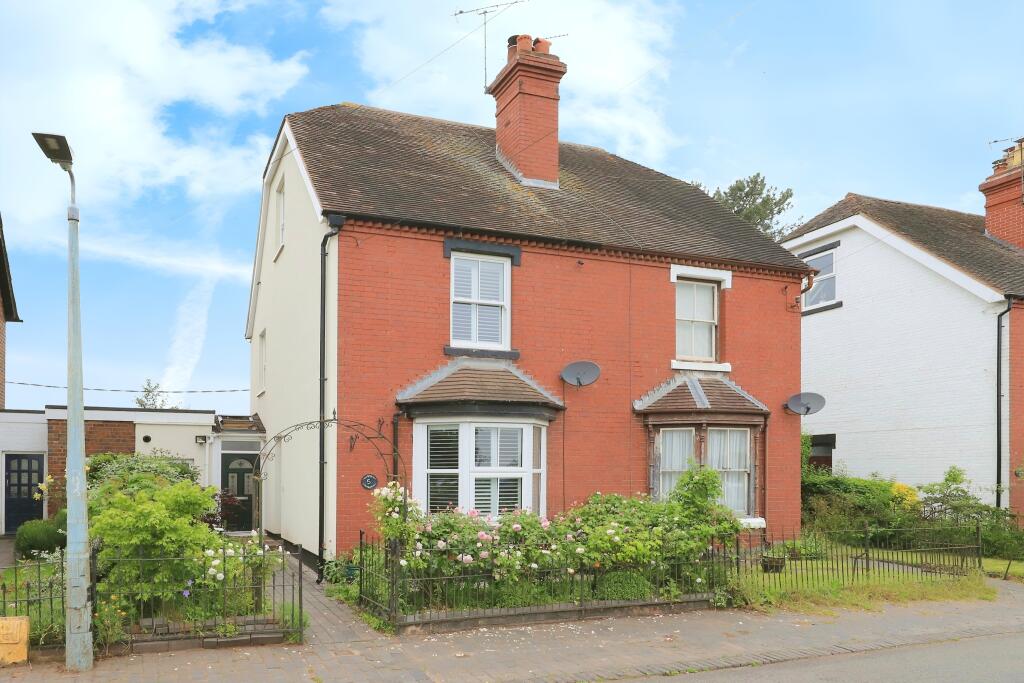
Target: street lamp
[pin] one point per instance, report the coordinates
(78, 619)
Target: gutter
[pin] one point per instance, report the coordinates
(999, 399)
(335, 222)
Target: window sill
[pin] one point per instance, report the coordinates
(821, 309)
(753, 522)
(701, 365)
(508, 354)
(278, 254)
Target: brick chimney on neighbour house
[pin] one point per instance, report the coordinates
(526, 95)
(1004, 197)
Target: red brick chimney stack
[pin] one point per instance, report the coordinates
(526, 95)
(1004, 196)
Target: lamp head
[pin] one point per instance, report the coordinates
(55, 147)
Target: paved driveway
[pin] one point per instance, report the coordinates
(341, 648)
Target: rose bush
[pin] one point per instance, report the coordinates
(663, 539)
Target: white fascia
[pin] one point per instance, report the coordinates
(139, 416)
(905, 247)
(723, 277)
(285, 142)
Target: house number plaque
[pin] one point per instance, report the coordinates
(369, 481)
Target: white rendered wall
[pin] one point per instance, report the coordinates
(179, 441)
(288, 308)
(907, 367)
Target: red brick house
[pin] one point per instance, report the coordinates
(462, 270)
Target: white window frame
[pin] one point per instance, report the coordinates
(715, 321)
(747, 511)
(261, 359)
(817, 280)
(662, 494)
(468, 471)
(505, 304)
(279, 208)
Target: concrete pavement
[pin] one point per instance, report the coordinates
(341, 648)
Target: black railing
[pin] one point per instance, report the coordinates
(237, 591)
(753, 562)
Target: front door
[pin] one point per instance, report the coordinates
(237, 471)
(22, 476)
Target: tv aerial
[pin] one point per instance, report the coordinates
(581, 373)
(805, 403)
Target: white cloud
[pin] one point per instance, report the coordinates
(104, 74)
(618, 56)
(189, 335)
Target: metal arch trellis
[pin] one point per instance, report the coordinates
(359, 431)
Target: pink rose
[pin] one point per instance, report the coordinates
(473, 513)
(467, 558)
(545, 524)
(484, 554)
(483, 536)
(517, 527)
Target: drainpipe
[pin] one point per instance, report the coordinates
(334, 222)
(999, 401)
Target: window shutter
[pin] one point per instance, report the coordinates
(463, 278)
(510, 447)
(492, 286)
(488, 323)
(510, 494)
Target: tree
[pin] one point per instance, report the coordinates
(756, 202)
(152, 396)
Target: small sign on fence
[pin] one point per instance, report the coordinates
(13, 640)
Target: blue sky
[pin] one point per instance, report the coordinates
(171, 108)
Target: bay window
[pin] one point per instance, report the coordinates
(726, 450)
(490, 467)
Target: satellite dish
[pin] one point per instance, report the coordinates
(581, 373)
(805, 403)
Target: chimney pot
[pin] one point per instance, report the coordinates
(542, 46)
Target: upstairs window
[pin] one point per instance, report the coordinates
(262, 360)
(480, 302)
(824, 290)
(696, 320)
(279, 210)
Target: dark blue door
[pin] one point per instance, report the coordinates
(22, 476)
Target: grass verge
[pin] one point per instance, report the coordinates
(825, 597)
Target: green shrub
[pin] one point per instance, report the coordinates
(623, 585)
(38, 536)
(520, 594)
(129, 473)
(60, 520)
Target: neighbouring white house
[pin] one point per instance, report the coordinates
(33, 444)
(913, 331)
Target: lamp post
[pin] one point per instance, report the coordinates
(78, 619)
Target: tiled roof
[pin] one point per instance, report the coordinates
(375, 163)
(686, 392)
(955, 237)
(478, 380)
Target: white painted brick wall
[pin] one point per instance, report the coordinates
(907, 366)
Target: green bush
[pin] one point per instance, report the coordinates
(623, 585)
(129, 473)
(60, 520)
(38, 536)
(520, 594)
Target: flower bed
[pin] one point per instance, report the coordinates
(610, 548)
